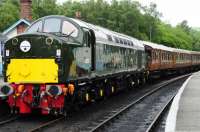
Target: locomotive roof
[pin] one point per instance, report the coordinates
(102, 34)
(108, 36)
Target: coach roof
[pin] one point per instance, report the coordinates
(158, 46)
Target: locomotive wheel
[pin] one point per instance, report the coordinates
(99, 93)
(84, 97)
(130, 83)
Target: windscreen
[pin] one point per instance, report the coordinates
(52, 25)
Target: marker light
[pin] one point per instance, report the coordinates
(58, 52)
(7, 53)
(49, 41)
(14, 41)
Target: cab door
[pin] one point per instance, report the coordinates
(90, 45)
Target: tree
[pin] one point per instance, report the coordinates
(9, 13)
(41, 8)
(184, 25)
(127, 17)
(173, 37)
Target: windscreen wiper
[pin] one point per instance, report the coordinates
(60, 34)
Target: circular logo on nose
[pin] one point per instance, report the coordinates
(25, 46)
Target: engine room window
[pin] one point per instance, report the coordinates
(121, 41)
(131, 43)
(52, 25)
(109, 37)
(37, 27)
(68, 28)
(116, 39)
(125, 42)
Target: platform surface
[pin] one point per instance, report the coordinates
(184, 114)
(188, 116)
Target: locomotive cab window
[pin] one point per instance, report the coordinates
(37, 27)
(52, 25)
(68, 28)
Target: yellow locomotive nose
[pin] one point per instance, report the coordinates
(32, 71)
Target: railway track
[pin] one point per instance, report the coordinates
(116, 115)
(7, 119)
(27, 123)
(46, 124)
(159, 115)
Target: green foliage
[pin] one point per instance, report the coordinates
(117, 16)
(196, 39)
(42, 8)
(125, 16)
(173, 36)
(9, 13)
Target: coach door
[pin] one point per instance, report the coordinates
(93, 50)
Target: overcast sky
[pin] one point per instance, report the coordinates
(175, 11)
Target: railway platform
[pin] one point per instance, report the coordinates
(184, 114)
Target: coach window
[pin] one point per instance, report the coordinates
(163, 56)
(69, 28)
(156, 55)
(167, 56)
(153, 55)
